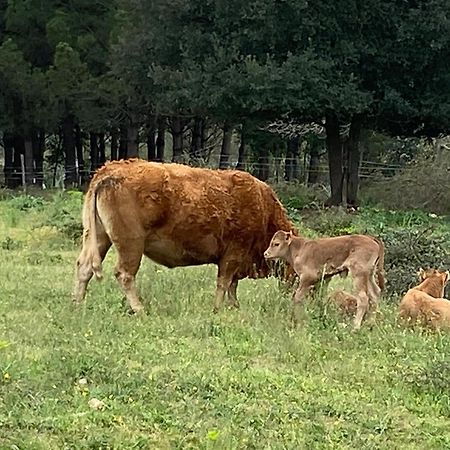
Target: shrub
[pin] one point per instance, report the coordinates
(64, 213)
(297, 196)
(26, 202)
(423, 184)
(409, 249)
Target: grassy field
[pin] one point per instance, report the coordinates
(181, 377)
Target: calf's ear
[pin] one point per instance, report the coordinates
(421, 273)
(446, 277)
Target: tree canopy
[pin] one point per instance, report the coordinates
(127, 70)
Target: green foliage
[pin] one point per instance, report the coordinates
(10, 244)
(63, 213)
(25, 202)
(409, 249)
(423, 184)
(298, 196)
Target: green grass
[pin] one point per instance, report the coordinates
(181, 377)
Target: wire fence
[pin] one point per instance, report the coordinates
(275, 168)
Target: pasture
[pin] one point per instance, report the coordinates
(181, 377)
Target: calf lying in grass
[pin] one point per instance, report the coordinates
(345, 302)
(424, 304)
(316, 259)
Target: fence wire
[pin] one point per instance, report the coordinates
(275, 166)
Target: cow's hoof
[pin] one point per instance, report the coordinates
(139, 311)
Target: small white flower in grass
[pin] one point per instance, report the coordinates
(96, 404)
(432, 215)
(82, 382)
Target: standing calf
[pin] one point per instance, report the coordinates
(316, 259)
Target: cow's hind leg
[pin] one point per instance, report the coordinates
(130, 256)
(84, 272)
(232, 294)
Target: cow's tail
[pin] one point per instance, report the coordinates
(380, 264)
(92, 227)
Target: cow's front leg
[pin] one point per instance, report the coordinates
(305, 287)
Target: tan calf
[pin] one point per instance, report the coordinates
(316, 259)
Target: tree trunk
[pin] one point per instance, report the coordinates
(151, 137)
(263, 166)
(291, 171)
(80, 156)
(101, 149)
(161, 140)
(241, 151)
(19, 149)
(69, 151)
(196, 139)
(177, 138)
(225, 151)
(93, 151)
(132, 140)
(8, 144)
(314, 160)
(354, 160)
(334, 150)
(114, 141)
(204, 138)
(123, 143)
(28, 160)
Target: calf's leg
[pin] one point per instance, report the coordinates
(361, 281)
(305, 287)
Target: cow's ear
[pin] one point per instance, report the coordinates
(421, 273)
(289, 238)
(446, 277)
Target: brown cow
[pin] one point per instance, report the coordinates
(177, 216)
(316, 259)
(424, 304)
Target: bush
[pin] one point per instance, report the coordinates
(409, 249)
(26, 202)
(423, 184)
(64, 213)
(298, 196)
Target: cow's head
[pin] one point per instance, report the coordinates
(279, 245)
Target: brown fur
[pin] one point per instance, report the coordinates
(423, 304)
(316, 259)
(177, 216)
(347, 303)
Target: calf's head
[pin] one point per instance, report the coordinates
(279, 245)
(434, 273)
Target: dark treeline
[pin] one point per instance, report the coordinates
(82, 82)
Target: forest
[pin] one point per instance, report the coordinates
(223, 83)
